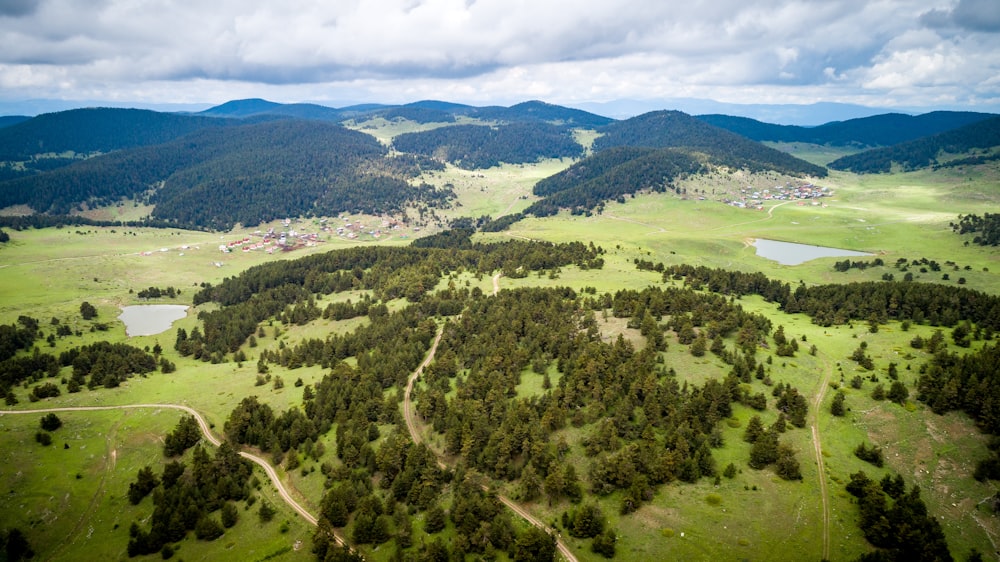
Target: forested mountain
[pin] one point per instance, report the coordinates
(257, 107)
(878, 130)
(611, 174)
(85, 131)
(8, 120)
(217, 177)
(673, 129)
(924, 152)
(482, 146)
(546, 112)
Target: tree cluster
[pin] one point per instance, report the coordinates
(186, 497)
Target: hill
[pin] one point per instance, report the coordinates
(879, 130)
(546, 112)
(482, 146)
(610, 175)
(215, 178)
(85, 131)
(8, 120)
(673, 129)
(929, 151)
(258, 107)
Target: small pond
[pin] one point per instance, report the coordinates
(788, 253)
(151, 319)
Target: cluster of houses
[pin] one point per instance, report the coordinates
(754, 198)
(352, 230)
(271, 241)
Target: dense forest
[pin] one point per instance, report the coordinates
(217, 177)
(673, 129)
(878, 130)
(610, 175)
(924, 152)
(482, 146)
(96, 130)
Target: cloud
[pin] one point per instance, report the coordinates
(971, 15)
(483, 50)
(17, 8)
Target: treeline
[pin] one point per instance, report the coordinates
(986, 228)
(157, 292)
(98, 364)
(267, 290)
(879, 302)
(481, 146)
(610, 175)
(59, 221)
(185, 499)
(923, 152)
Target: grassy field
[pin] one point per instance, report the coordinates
(48, 273)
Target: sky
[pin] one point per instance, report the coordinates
(915, 54)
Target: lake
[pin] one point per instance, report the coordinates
(151, 319)
(789, 253)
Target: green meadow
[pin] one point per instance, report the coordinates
(70, 502)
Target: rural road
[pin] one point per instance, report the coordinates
(209, 436)
(818, 449)
(411, 425)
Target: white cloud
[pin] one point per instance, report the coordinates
(488, 50)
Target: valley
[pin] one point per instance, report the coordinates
(575, 340)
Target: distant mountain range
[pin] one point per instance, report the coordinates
(252, 160)
(878, 130)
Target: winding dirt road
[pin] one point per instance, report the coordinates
(411, 425)
(206, 430)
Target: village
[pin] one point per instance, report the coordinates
(754, 198)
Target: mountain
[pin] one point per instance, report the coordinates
(8, 120)
(541, 111)
(611, 174)
(258, 107)
(85, 131)
(929, 151)
(482, 146)
(807, 115)
(879, 130)
(673, 129)
(217, 176)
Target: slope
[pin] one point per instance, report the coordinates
(673, 129)
(85, 131)
(929, 151)
(215, 178)
(878, 130)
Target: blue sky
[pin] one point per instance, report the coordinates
(917, 54)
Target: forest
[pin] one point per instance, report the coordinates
(925, 151)
(673, 129)
(480, 146)
(217, 177)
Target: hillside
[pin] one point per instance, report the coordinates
(925, 152)
(480, 146)
(258, 107)
(878, 130)
(8, 120)
(609, 175)
(546, 112)
(85, 131)
(215, 178)
(673, 129)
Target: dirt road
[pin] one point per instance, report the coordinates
(411, 425)
(818, 450)
(209, 436)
